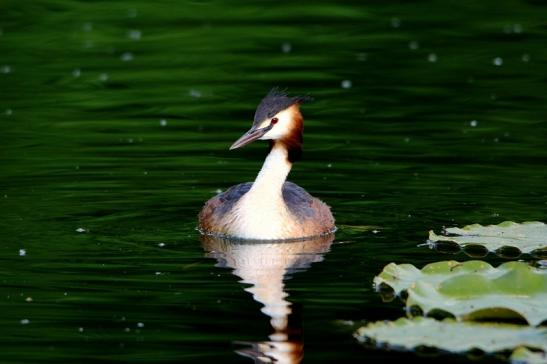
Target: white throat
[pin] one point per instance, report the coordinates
(273, 173)
(261, 212)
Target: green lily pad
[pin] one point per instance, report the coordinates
(507, 238)
(458, 337)
(526, 356)
(472, 289)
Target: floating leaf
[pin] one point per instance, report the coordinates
(458, 337)
(525, 356)
(507, 238)
(473, 289)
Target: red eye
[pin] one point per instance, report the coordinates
(275, 120)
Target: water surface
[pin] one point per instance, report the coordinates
(116, 118)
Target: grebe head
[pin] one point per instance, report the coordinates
(277, 117)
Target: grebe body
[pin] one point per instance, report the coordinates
(270, 207)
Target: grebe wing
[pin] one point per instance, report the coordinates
(306, 207)
(221, 204)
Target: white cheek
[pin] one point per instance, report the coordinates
(275, 133)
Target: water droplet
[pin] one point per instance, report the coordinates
(362, 56)
(346, 84)
(163, 122)
(87, 27)
(161, 245)
(413, 45)
(517, 28)
(76, 73)
(329, 165)
(22, 252)
(127, 329)
(6, 69)
(218, 190)
(395, 22)
(28, 299)
(127, 57)
(407, 139)
(195, 93)
(134, 34)
(140, 324)
(286, 47)
(432, 57)
(80, 329)
(377, 231)
(525, 57)
(103, 77)
(8, 112)
(25, 321)
(158, 273)
(80, 230)
(498, 61)
(473, 123)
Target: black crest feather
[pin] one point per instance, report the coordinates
(275, 101)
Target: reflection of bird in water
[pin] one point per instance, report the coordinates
(264, 266)
(270, 207)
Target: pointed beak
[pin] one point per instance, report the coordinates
(250, 136)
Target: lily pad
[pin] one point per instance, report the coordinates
(508, 238)
(526, 356)
(458, 337)
(471, 290)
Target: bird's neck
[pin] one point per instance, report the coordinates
(274, 171)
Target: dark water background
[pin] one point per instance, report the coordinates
(115, 123)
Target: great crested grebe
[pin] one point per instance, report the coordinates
(270, 208)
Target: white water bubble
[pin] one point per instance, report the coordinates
(395, 22)
(81, 230)
(25, 321)
(80, 329)
(413, 45)
(127, 57)
(134, 34)
(103, 77)
(22, 252)
(195, 93)
(8, 112)
(498, 61)
(525, 57)
(286, 47)
(6, 69)
(432, 57)
(76, 73)
(517, 28)
(28, 299)
(329, 165)
(132, 13)
(87, 27)
(473, 123)
(140, 325)
(362, 56)
(346, 84)
(163, 122)
(161, 245)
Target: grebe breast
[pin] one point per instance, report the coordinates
(303, 207)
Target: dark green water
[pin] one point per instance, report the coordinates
(427, 114)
